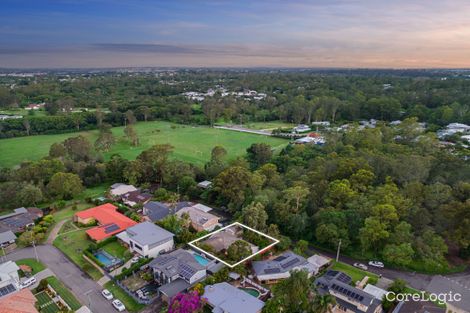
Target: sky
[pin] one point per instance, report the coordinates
(236, 33)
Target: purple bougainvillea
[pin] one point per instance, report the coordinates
(186, 303)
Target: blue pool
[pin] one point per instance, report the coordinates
(201, 260)
(107, 259)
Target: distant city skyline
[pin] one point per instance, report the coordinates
(218, 33)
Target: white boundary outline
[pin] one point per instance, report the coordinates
(192, 244)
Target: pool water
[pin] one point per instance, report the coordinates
(251, 291)
(103, 258)
(201, 260)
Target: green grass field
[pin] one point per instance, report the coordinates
(129, 302)
(116, 249)
(355, 273)
(73, 244)
(36, 266)
(192, 144)
(64, 292)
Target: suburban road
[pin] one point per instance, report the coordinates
(85, 289)
(416, 280)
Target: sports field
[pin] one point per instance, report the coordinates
(192, 144)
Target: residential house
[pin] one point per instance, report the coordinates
(155, 211)
(9, 278)
(135, 197)
(35, 106)
(22, 301)
(110, 221)
(117, 190)
(439, 284)
(301, 128)
(319, 262)
(348, 298)
(273, 270)
(377, 292)
(7, 238)
(147, 239)
(176, 271)
(223, 239)
(225, 298)
(206, 184)
(20, 219)
(200, 220)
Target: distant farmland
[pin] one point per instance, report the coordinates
(192, 144)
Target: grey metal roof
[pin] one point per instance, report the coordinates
(281, 264)
(147, 233)
(7, 236)
(156, 210)
(339, 283)
(179, 262)
(173, 288)
(229, 299)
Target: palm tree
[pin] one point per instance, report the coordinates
(323, 304)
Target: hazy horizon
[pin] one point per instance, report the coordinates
(241, 34)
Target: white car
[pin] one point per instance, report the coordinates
(376, 264)
(107, 294)
(136, 259)
(28, 282)
(361, 266)
(117, 304)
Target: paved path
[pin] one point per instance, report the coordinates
(85, 289)
(245, 130)
(55, 231)
(40, 276)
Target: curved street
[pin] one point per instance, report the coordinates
(87, 291)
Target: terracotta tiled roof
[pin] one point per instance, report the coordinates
(19, 302)
(111, 222)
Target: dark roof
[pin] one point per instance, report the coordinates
(173, 288)
(137, 197)
(17, 221)
(156, 210)
(7, 236)
(178, 262)
(281, 264)
(418, 307)
(440, 283)
(338, 282)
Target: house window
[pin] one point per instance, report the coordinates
(138, 247)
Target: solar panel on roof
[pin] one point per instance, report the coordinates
(280, 258)
(290, 263)
(111, 228)
(7, 290)
(272, 270)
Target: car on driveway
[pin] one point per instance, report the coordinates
(361, 266)
(107, 294)
(117, 304)
(28, 282)
(376, 264)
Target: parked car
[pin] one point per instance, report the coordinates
(28, 282)
(136, 259)
(117, 304)
(361, 266)
(107, 294)
(376, 264)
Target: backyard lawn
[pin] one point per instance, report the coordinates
(192, 144)
(129, 302)
(117, 250)
(73, 244)
(355, 273)
(68, 212)
(36, 266)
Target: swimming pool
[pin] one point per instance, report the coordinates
(105, 258)
(255, 293)
(201, 260)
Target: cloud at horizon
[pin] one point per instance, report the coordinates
(335, 33)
